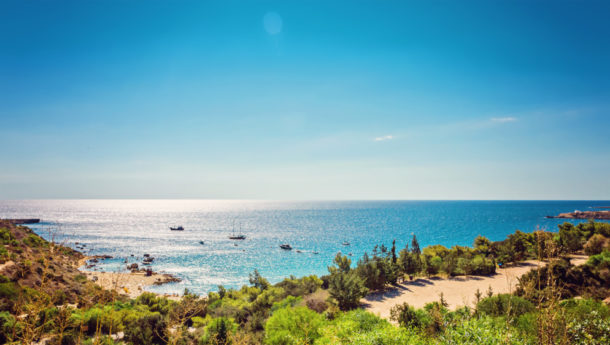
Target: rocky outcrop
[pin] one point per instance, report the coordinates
(584, 215)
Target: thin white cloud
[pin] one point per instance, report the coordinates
(503, 119)
(384, 138)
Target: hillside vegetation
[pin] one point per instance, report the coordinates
(45, 299)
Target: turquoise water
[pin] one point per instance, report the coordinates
(124, 227)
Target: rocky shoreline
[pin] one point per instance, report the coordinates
(603, 215)
(131, 283)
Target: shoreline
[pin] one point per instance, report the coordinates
(457, 291)
(131, 284)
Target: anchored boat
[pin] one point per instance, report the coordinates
(237, 237)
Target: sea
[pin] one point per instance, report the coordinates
(316, 230)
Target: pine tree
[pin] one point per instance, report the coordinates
(415, 246)
(344, 284)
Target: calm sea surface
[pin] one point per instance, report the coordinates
(124, 227)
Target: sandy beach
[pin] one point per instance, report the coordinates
(457, 291)
(131, 284)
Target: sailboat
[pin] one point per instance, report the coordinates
(237, 237)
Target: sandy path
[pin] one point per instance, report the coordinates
(458, 291)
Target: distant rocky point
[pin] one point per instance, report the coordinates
(22, 221)
(584, 215)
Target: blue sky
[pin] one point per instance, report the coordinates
(305, 100)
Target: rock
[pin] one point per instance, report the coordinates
(583, 215)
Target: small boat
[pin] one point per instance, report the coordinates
(298, 251)
(201, 242)
(177, 228)
(316, 253)
(346, 243)
(285, 246)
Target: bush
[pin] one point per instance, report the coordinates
(6, 324)
(589, 321)
(6, 236)
(504, 305)
(479, 331)
(287, 302)
(596, 244)
(218, 332)
(599, 261)
(316, 304)
(8, 290)
(359, 327)
(405, 315)
(34, 241)
(145, 330)
(298, 325)
(300, 287)
(483, 266)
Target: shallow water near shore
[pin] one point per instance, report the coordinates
(121, 228)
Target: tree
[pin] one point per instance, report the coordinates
(347, 289)
(415, 246)
(343, 262)
(344, 285)
(482, 244)
(409, 262)
(257, 280)
(569, 238)
(371, 273)
(432, 264)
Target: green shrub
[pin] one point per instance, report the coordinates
(504, 305)
(300, 287)
(600, 261)
(297, 325)
(34, 241)
(218, 332)
(596, 244)
(6, 324)
(361, 327)
(483, 266)
(480, 331)
(405, 315)
(589, 321)
(8, 290)
(146, 330)
(6, 236)
(287, 302)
